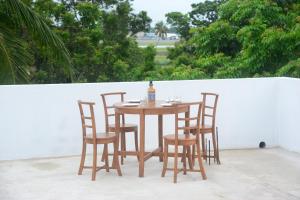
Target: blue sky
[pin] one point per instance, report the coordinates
(157, 9)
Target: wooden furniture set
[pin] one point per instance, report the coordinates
(193, 131)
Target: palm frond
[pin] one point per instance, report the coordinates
(14, 58)
(39, 29)
(7, 74)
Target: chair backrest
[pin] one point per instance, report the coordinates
(109, 108)
(209, 108)
(87, 121)
(187, 119)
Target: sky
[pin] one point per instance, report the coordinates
(157, 9)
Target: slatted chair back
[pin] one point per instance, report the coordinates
(209, 108)
(109, 108)
(87, 121)
(187, 119)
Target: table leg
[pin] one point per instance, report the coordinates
(117, 132)
(187, 124)
(142, 145)
(160, 136)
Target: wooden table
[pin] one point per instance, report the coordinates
(142, 110)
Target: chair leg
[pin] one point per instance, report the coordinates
(190, 158)
(216, 155)
(202, 170)
(82, 158)
(136, 142)
(106, 157)
(203, 146)
(124, 133)
(193, 154)
(94, 162)
(165, 160)
(116, 163)
(175, 165)
(104, 152)
(122, 147)
(181, 160)
(184, 159)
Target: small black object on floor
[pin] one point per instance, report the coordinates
(262, 144)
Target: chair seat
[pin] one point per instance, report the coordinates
(124, 127)
(101, 138)
(182, 139)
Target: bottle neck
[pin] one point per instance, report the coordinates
(150, 84)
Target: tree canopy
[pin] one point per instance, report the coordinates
(98, 35)
(60, 41)
(19, 23)
(247, 38)
(161, 30)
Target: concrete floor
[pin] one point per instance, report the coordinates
(244, 174)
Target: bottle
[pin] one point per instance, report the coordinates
(151, 93)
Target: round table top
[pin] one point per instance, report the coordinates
(153, 108)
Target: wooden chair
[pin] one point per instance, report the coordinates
(208, 123)
(95, 139)
(185, 140)
(124, 127)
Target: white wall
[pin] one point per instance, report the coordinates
(289, 114)
(43, 120)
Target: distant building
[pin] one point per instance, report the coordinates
(172, 36)
(140, 35)
(152, 36)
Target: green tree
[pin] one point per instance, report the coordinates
(291, 69)
(268, 34)
(139, 22)
(202, 14)
(161, 30)
(205, 13)
(149, 54)
(218, 37)
(19, 23)
(244, 38)
(180, 22)
(98, 36)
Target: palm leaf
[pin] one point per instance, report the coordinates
(22, 16)
(14, 58)
(6, 69)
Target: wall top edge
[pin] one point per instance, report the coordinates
(164, 81)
